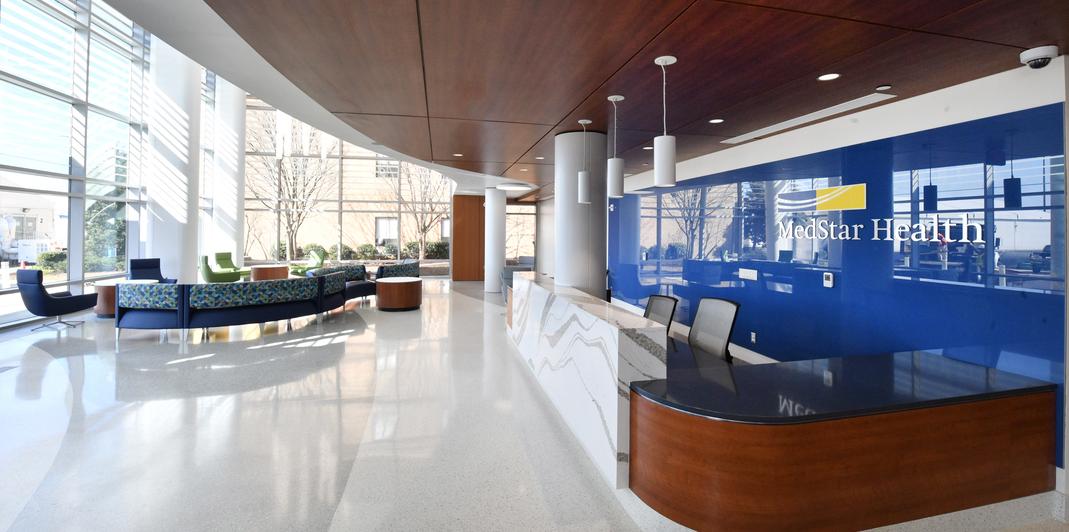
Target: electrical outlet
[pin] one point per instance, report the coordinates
(753, 337)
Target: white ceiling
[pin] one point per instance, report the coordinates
(198, 32)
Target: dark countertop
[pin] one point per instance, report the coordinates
(828, 388)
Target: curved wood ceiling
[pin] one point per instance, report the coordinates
(494, 80)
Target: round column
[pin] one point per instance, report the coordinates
(579, 230)
(494, 255)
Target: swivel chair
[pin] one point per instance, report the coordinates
(147, 269)
(39, 302)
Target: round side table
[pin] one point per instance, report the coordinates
(105, 290)
(265, 272)
(398, 293)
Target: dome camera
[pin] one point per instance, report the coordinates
(1039, 56)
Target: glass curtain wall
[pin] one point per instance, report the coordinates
(306, 190)
(72, 86)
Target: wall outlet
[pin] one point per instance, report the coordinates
(753, 337)
(748, 274)
(829, 280)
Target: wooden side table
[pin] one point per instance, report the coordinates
(265, 272)
(105, 289)
(398, 293)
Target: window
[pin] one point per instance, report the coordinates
(386, 231)
(520, 224)
(66, 140)
(447, 229)
(307, 190)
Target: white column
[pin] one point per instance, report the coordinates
(228, 176)
(494, 241)
(171, 181)
(580, 230)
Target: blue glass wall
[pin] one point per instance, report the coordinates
(998, 303)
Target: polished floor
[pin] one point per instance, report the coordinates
(369, 420)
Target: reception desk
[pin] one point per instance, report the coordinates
(584, 353)
(838, 443)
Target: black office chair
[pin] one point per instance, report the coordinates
(661, 309)
(147, 269)
(713, 323)
(39, 302)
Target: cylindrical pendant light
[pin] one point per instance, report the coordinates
(583, 195)
(1011, 186)
(614, 171)
(931, 191)
(664, 146)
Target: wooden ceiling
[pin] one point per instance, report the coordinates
(495, 80)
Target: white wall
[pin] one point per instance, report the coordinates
(1006, 92)
(545, 242)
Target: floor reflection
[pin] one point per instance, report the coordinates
(410, 420)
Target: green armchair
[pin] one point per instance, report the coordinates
(316, 262)
(226, 264)
(217, 276)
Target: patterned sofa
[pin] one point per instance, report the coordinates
(405, 268)
(185, 306)
(356, 282)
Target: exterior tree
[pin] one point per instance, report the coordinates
(293, 184)
(423, 196)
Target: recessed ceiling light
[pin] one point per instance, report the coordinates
(645, 164)
(884, 87)
(540, 158)
(717, 121)
(458, 155)
(523, 169)
(513, 186)
(647, 147)
(828, 77)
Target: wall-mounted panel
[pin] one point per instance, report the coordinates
(467, 240)
(905, 243)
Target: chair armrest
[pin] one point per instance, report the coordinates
(61, 294)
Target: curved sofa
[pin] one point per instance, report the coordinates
(190, 306)
(356, 282)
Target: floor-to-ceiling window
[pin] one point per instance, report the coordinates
(306, 190)
(72, 78)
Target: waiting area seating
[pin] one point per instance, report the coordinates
(405, 268)
(317, 259)
(147, 269)
(41, 303)
(189, 306)
(356, 281)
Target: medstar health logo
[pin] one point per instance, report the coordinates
(844, 198)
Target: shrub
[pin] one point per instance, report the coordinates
(411, 250)
(52, 261)
(389, 251)
(306, 250)
(675, 251)
(437, 250)
(367, 252)
(347, 252)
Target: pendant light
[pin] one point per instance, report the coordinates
(1011, 186)
(664, 146)
(614, 170)
(931, 192)
(584, 176)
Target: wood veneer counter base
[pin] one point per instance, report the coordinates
(841, 474)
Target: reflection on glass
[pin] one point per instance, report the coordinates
(105, 237)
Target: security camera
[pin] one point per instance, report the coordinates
(1039, 56)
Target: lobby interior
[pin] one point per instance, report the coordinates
(533, 265)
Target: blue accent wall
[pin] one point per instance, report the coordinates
(999, 303)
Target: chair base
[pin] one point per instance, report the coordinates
(59, 324)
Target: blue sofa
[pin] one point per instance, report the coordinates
(185, 306)
(405, 268)
(356, 281)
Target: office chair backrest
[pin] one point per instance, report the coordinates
(32, 290)
(145, 269)
(713, 323)
(661, 309)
